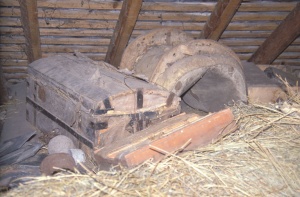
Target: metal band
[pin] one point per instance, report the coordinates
(60, 123)
(107, 104)
(140, 98)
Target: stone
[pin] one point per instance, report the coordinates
(78, 155)
(60, 144)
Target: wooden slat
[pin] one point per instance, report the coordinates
(248, 42)
(93, 56)
(5, 56)
(267, 6)
(241, 42)
(55, 48)
(65, 13)
(9, 3)
(157, 6)
(58, 40)
(18, 76)
(140, 25)
(11, 47)
(173, 16)
(75, 41)
(12, 39)
(30, 24)
(293, 48)
(69, 4)
(279, 40)
(178, 6)
(71, 49)
(282, 57)
(104, 42)
(143, 16)
(244, 56)
(127, 19)
(13, 56)
(251, 49)
(289, 55)
(292, 62)
(11, 62)
(11, 31)
(259, 16)
(59, 32)
(108, 33)
(252, 26)
(245, 34)
(219, 19)
(15, 69)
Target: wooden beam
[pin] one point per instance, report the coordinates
(280, 39)
(220, 19)
(29, 19)
(125, 25)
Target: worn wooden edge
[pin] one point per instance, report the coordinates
(123, 30)
(193, 47)
(198, 132)
(220, 18)
(29, 19)
(156, 37)
(279, 39)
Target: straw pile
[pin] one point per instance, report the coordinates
(262, 158)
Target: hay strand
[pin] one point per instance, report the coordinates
(262, 158)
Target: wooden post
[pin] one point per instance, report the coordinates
(29, 19)
(125, 25)
(219, 19)
(280, 39)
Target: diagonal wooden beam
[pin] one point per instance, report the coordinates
(220, 19)
(280, 39)
(29, 19)
(125, 25)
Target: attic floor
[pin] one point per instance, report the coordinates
(13, 124)
(14, 111)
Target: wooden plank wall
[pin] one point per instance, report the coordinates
(87, 26)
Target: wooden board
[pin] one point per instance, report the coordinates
(143, 16)
(180, 133)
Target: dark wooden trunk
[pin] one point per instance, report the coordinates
(93, 103)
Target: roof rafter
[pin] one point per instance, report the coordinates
(280, 39)
(220, 19)
(29, 19)
(123, 30)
